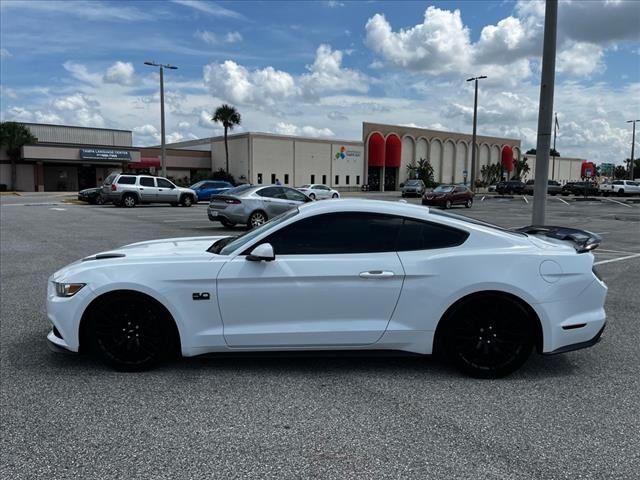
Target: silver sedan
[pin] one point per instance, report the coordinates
(318, 192)
(253, 206)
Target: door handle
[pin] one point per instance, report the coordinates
(267, 201)
(141, 188)
(376, 274)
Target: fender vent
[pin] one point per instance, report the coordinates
(104, 256)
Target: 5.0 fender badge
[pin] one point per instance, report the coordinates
(201, 296)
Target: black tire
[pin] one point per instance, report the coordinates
(312, 196)
(99, 200)
(489, 336)
(186, 200)
(335, 195)
(132, 332)
(129, 201)
(468, 203)
(447, 204)
(257, 219)
(621, 192)
(227, 223)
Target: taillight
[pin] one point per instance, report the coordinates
(232, 201)
(113, 187)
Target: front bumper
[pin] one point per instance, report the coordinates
(58, 345)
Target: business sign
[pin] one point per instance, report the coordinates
(343, 153)
(105, 154)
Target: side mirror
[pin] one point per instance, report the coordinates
(262, 252)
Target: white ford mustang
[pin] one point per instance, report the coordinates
(342, 275)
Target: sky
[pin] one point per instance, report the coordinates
(321, 68)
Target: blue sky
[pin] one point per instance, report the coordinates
(321, 68)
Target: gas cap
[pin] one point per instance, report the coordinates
(550, 271)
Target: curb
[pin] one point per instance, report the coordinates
(10, 193)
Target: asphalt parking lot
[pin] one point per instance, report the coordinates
(570, 416)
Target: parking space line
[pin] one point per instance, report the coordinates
(629, 257)
(525, 199)
(563, 201)
(616, 201)
(604, 250)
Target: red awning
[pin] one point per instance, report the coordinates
(146, 162)
(376, 151)
(393, 149)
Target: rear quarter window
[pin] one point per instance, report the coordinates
(421, 235)
(126, 180)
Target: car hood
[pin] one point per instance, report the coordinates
(186, 190)
(436, 194)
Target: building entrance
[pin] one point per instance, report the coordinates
(86, 177)
(390, 179)
(374, 178)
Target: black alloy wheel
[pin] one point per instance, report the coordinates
(99, 200)
(489, 337)
(131, 332)
(468, 203)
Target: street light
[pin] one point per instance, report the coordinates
(633, 144)
(473, 140)
(163, 161)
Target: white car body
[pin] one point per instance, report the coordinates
(387, 300)
(624, 187)
(317, 191)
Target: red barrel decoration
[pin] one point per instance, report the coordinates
(587, 169)
(507, 158)
(393, 150)
(376, 151)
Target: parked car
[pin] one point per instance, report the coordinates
(254, 206)
(625, 187)
(580, 188)
(126, 190)
(91, 195)
(553, 187)
(492, 187)
(318, 192)
(206, 188)
(413, 187)
(446, 196)
(510, 187)
(348, 275)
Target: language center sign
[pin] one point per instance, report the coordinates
(105, 154)
(343, 153)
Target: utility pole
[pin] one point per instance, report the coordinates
(163, 156)
(633, 144)
(473, 140)
(553, 153)
(545, 111)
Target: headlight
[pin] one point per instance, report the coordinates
(68, 289)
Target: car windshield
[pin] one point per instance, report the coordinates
(413, 182)
(305, 186)
(228, 245)
(195, 186)
(238, 189)
(444, 188)
(475, 222)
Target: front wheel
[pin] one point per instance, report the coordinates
(489, 338)
(227, 223)
(335, 195)
(312, 196)
(129, 201)
(621, 192)
(447, 204)
(256, 219)
(187, 201)
(99, 200)
(468, 203)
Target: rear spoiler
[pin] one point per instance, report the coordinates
(582, 240)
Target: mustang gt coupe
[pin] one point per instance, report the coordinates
(340, 275)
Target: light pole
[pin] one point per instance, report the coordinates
(553, 152)
(163, 160)
(633, 144)
(473, 140)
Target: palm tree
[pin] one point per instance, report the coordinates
(229, 117)
(13, 136)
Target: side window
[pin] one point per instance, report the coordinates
(291, 194)
(147, 182)
(163, 183)
(338, 233)
(421, 235)
(126, 180)
(109, 180)
(460, 189)
(271, 192)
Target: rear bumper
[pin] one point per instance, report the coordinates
(579, 345)
(226, 214)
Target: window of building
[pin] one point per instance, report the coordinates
(346, 180)
(357, 179)
(286, 179)
(324, 179)
(273, 178)
(337, 180)
(338, 233)
(313, 179)
(147, 182)
(259, 179)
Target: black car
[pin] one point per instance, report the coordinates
(509, 187)
(553, 187)
(91, 195)
(580, 188)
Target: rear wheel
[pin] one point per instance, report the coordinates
(227, 223)
(468, 203)
(621, 192)
(335, 195)
(99, 200)
(447, 204)
(489, 337)
(312, 196)
(132, 332)
(257, 219)
(129, 201)
(186, 200)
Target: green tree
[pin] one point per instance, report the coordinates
(620, 172)
(13, 136)
(521, 168)
(532, 151)
(422, 170)
(229, 117)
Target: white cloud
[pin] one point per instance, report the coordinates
(87, 9)
(236, 84)
(146, 131)
(233, 37)
(337, 116)
(210, 8)
(206, 36)
(327, 75)
(120, 73)
(81, 109)
(8, 92)
(334, 4)
(20, 114)
(80, 72)
(204, 119)
(581, 59)
(4, 53)
(284, 128)
(184, 126)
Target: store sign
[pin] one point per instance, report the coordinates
(104, 154)
(343, 153)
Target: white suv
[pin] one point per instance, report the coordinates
(625, 187)
(125, 190)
